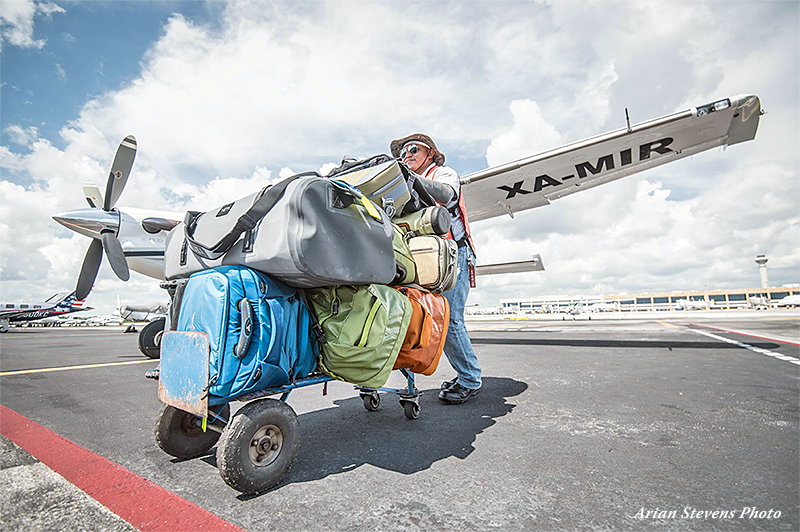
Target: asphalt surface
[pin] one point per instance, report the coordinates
(668, 423)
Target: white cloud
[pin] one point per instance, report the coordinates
(17, 18)
(20, 135)
(531, 134)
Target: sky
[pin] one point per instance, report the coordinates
(227, 97)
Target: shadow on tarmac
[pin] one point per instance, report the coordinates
(344, 437)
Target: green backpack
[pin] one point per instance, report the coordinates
(364, 327)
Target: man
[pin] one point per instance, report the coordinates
(420, 154)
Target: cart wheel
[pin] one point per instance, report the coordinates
(178, 435)
(259, 446)
(372, 401)
(411, 409)
(150, 338)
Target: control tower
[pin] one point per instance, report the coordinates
(761, 260)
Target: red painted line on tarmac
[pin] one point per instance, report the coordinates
(144, 504)
(745, 334)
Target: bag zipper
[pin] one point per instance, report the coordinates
(368, 324)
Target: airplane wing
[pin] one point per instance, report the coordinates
(536, 181)
(532, 265)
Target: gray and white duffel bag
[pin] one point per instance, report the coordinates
(305, 231)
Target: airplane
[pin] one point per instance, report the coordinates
(699, 304)
(64, 320)
(789, 301)
(604, 307)
(759, 302)
(135, 312)
(575, 309)
(104, 320)
(134, 239)
(22, 311)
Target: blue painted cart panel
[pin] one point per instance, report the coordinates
(183, 380)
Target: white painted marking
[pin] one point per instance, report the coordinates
(772, 354)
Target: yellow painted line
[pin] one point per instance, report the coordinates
(65, 368)
(665, 324)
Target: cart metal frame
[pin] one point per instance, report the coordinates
(257, 446)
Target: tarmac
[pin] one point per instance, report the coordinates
(685, 421)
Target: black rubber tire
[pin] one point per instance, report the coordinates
(245, 462)
(177, 434)
(371, 402)
(147, 338)
(411, 409)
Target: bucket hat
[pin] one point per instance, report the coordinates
(397, 145)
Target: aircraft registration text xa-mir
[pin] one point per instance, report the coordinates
(585, 168)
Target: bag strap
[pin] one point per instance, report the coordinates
(246, 221)
(316, 328)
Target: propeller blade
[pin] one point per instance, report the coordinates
(92, 194)
(116, 257)
(120, 170)
(91, 263)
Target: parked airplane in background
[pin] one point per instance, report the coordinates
(146, 312)
(691, 304)
(758, 302)
(22, 311)
(764, 303)
(604, 307)
(104, 320)
(789, 301)
(135, 239)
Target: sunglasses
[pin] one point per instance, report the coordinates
(410, 150)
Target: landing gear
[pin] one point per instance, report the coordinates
(150, 338)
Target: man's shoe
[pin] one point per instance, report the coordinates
(457, 394)
(446, 385)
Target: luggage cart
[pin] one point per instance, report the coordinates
(257, 446)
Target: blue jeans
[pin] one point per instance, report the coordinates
(457, 347)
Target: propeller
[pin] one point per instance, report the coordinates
(108, 241)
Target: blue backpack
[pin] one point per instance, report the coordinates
(259, 329)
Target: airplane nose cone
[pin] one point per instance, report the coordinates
(89, 222)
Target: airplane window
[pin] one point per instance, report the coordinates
(23, 306)
(37, 306)
(9, 305)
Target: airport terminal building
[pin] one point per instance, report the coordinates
(677, 300)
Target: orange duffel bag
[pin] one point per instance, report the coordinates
(424, 341)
